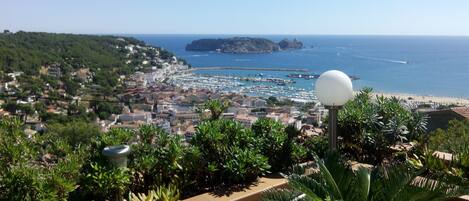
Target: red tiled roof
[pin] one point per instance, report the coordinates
(463, 111)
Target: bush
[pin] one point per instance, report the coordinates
(230, 152)
(156, 159)
(455, 139)
(278, 144)
(169, 193)
(273, 141)
(316, 145)
(368, 127)
(36, 168)
(107, 182)
(74, 133)
(66, 163)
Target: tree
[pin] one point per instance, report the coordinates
(455, 139)
(10, 106)
(74, 133)
(71, 86)
(26, 109)
(105, 109)
(215, 107)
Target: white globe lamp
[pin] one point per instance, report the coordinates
(333, 89)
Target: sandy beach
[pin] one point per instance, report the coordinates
(419, 99)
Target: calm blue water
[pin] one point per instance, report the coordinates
(408, 64)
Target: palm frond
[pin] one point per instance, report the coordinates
(282, 195)
(310, 187)
(332, 187)
(363, 183)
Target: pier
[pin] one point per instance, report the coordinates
(250, 68)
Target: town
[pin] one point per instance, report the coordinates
(164, 92)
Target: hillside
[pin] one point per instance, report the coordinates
(72, 62)
(26, 52)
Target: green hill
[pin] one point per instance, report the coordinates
(27, 51)
(50, 59)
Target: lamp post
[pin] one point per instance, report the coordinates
(333, 89)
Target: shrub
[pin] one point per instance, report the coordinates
(169, 193)
(272, 139)
(74, 133)
(106, 182)
(230, 152)
(368, 127)
(278, 143)
(156, 159)
(336, 180)
(36, 168)
(455, 139)
(115, 137)
(215, 108)
(317, 145)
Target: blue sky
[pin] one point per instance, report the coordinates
(389, 17)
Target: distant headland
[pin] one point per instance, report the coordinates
(243, 45)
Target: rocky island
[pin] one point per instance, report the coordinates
(243, 45)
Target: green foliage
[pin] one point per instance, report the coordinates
(273, 140)
(116, 137)
(105, 109)
(28, 51)
(282, 195)
(157, 159)
(243, 165)
(169, 193)
(230, 151)
(214, 107)
(335, 180)
(107, 182)
(15, 108)
(71, 86)
(66, 163)
(316, 145)
(277, 143)
(273, 101)
(36, 168)
(455, 139)
(368, 127)
(74, 133)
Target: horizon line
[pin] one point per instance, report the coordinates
(253, 34)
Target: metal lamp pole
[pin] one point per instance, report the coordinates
(333, 110)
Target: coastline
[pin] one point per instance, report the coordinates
(422, 99)
(264, 88)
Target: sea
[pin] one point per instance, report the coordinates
(421, 65)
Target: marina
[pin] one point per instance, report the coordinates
(251, 86)
(314, 76)
(250, 68)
